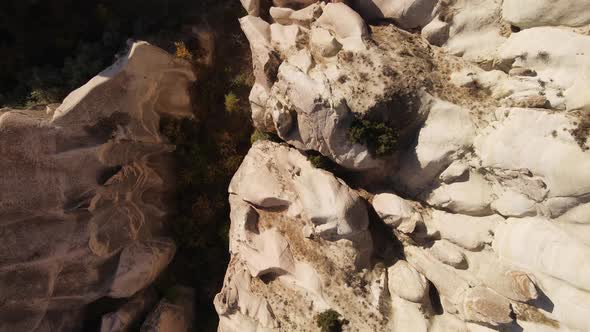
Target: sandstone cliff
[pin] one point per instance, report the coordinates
(85, 192)
(462, 200)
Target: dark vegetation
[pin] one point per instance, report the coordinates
(258, 135)
(377, 136)
(318, 160)
(209, 150)
(50, 47)
(329, 321)
(582, 131)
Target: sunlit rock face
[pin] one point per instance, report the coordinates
(478, 220)
(84, 192)
(299, 227)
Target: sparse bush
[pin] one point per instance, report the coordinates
(259, 135)
(329, 321)
(232, 102)
(44, 97)
(317, 160)
(378, 137)
(242, 79)
(183, 52)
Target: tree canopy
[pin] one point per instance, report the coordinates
(50, 47)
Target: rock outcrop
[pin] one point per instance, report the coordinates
(297, 232)
(475, 220)
(84, 194)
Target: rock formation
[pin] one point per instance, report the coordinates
(85, 195)
(461, 131)
(431, 173)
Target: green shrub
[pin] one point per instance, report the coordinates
(329, 321)
(44, 96)
(242, 80)
(232, 102)
(258, 135)
(319, 161)
(378, 137)
(316, 161)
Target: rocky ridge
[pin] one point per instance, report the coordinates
(85, 195)
(476, 221)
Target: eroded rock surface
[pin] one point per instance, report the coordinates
(297, 231)
(477, 220)
(84, 191)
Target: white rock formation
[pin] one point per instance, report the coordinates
(396, 212)
(82, 192)
(348, 27)
(565, 259)
(288, 181)
(532, 13)
(489, 108)
(251, 6)
(275, 195)
(409, 14)
(303, 17)
(406, 282)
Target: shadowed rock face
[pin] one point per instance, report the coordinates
(84, 190)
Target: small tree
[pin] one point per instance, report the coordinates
(259, 135)
(329, 321)
(318, 161)
(232, 102)
(380, 139)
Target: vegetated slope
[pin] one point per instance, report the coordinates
(209, 150)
